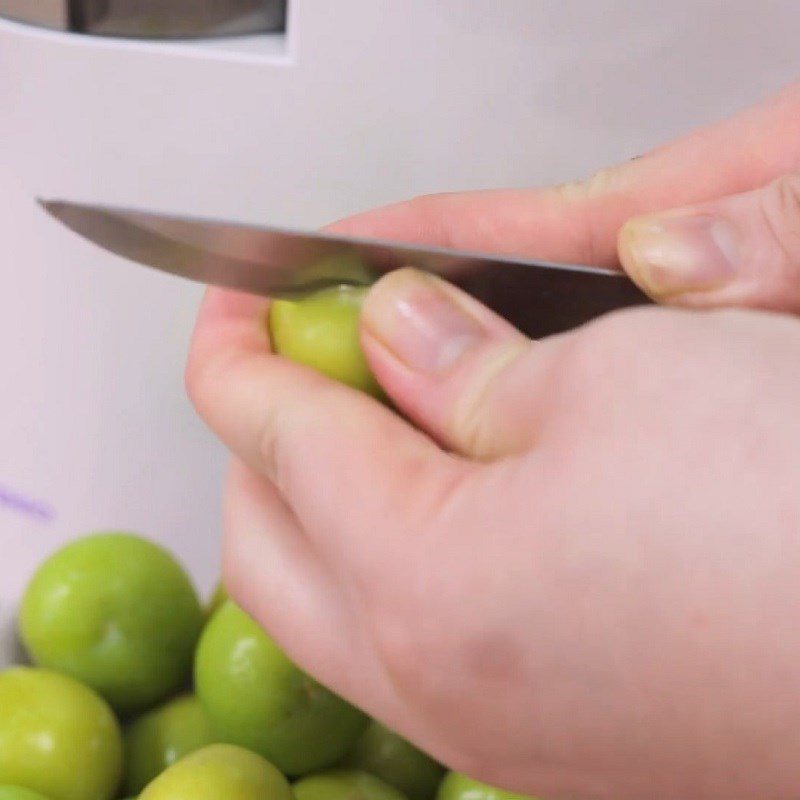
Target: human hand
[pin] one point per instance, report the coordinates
(578, 577)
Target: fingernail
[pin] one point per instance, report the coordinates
(680, 253)
(416, 317)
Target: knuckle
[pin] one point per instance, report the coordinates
(430, 213)
(781, 211)
(597, 184)
(789, 204)
(201, 378)
(281, 441)
(426, 206)
(415, 658)
(398, 646)
(273, 450)
(420, 651)
(406, 637)
(406, 647)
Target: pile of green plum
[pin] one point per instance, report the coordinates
(133, 689)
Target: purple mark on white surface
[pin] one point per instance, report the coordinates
(26, 506)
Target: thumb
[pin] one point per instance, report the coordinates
(459, 371)
(741, 250)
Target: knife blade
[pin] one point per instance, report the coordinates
(541, 298)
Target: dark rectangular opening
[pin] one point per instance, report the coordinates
(176, 19)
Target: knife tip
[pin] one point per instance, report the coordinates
(53, 207)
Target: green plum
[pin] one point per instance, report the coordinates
(257, 698)
(457, 786)
(158, 739)
(57, 736)
(321, 331)
(345, 784)
(118, 613)
(220, 772)
(388, 755)
(18, 793)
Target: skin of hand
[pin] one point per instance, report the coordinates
(571, 568)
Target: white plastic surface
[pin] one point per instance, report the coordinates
(363, 102)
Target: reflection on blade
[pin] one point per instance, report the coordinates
(218, 254)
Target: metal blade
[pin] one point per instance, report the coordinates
(540, 298)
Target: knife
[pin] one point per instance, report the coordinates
(538, 297)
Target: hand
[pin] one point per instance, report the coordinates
(578, 577)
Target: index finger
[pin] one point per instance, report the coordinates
(579, 222)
